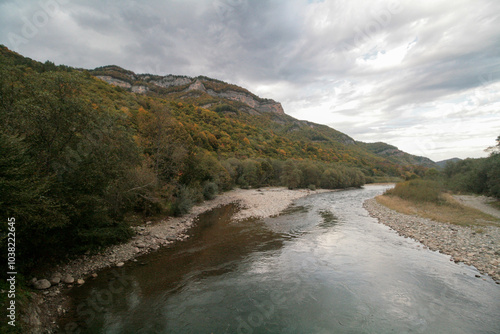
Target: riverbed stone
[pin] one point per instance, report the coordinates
(54, 280)
(42, 284)
(120, 264)
(68, 279)
(80, 281)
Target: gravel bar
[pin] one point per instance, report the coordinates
(476, 246)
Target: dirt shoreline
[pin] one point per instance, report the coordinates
(480, 203)
(478, 247)
(48, 305)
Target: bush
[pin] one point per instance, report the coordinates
(184, 201)
(226, 107)
(417, 191)
(210, 190)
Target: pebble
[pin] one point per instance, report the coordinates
(120, 264)
(462, 243)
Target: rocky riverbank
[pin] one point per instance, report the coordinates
(51, 302)
(476, 246)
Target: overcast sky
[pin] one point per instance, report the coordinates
(420, 75)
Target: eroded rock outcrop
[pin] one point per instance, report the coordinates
(143, 83)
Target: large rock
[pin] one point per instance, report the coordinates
(68, 279)
(42, 284)
(54, 280)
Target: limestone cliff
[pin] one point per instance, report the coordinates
(174, 84)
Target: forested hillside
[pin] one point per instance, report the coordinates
(480, 176)
(79, 155)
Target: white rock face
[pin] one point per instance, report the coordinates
(140, 89)
(114, 81)
(170, 80)
(196, 84)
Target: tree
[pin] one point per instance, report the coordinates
(292, 176)
(494, 149)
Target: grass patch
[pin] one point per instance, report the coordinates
(447, 210)
(419, 191)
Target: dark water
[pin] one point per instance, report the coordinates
(324, 266)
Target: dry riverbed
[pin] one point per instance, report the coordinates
(51, 302)
(478, 247)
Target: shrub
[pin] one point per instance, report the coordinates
(184, 201)
(226, 107)
(210, 190)
(417, 191)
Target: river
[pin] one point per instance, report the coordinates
(323, 266)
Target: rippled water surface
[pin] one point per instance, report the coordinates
(323, 266)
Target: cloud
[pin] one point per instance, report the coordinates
(403, 72)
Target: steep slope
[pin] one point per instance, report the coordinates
(397, 156)
(237, 102)
(443, 163)
(205, 90)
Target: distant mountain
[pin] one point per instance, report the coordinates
(442, 163)
(228, 98)
(395, 155)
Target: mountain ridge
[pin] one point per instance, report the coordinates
(169, 84)
(184, 87)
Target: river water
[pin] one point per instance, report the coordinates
(323, 266)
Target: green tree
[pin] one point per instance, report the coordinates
(292, 176)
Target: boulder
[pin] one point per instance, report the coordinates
(68, 279)
(42, 284)
(54, 280)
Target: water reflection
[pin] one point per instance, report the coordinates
(323, 266)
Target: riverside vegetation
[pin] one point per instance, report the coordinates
(431, 197)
